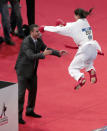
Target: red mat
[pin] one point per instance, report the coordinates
(62, 108)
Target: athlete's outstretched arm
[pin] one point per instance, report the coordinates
(63, 30)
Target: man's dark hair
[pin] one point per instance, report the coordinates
(31, 27)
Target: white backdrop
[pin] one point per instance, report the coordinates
(9, 98)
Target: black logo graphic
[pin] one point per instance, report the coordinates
(3, 117)
(101, 129)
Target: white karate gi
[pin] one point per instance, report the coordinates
(82, 35)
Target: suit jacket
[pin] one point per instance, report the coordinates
(29, 55)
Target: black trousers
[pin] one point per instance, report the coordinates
(15, 18)
(30, 11)
(31, 85)
(5, 20)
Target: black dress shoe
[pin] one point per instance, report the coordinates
(1, 40)
(32, 114)
(12, 32)
(21, 36)
(16, 33)
(9, 42)
(21, 121)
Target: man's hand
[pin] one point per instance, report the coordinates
(47, 52)
(63, 52)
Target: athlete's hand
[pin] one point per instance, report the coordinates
(60, 22)
(100, 53)
(41, 29)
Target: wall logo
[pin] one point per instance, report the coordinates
(3, 117)
(101, 129)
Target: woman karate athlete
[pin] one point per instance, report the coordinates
(81, 32)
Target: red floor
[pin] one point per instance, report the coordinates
(63, 108)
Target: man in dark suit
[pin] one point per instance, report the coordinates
(32, 49)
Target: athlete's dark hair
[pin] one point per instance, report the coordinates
(82, 13)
